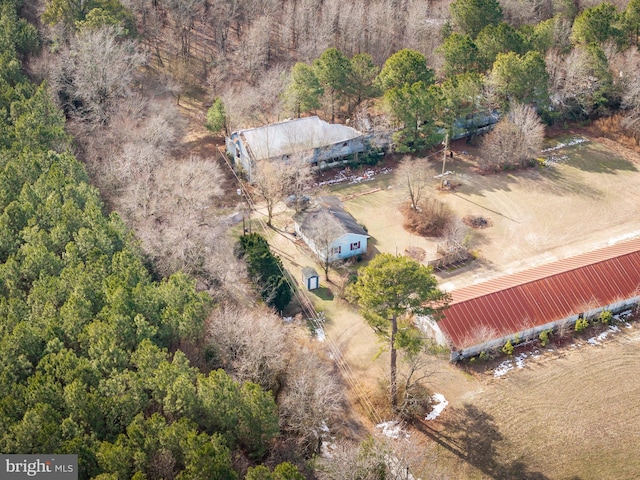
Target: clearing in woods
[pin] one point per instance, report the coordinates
(570, 413)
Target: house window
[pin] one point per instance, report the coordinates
(355, 246)
(336, 250)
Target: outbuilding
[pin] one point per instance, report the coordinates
(308, 138)
(310, 278)
(485, 316)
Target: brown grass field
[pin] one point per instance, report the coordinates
(571, 413)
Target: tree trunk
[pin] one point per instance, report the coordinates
(394, 383)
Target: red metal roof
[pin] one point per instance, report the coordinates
(513, 303)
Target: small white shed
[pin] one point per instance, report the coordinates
(310, 278)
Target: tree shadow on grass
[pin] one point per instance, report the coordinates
(473, 436)
(323, 293)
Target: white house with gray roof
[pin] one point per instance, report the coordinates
(350, 239)
(309, 138)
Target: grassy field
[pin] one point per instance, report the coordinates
(586, 200)
(572, 412)
(568, 414)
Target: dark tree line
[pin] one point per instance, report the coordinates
(91, 358)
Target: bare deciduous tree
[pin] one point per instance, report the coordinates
(416, 367)
(515, 140)
(251, 343)
(353, 461)
(184, 14)
(393, 459)
(268, 185)
(96, 73)
(429, 219)
(181, 230)
(627, 82)
(324, 229)
(311, 401)
(456, 232)
(416, 175)
(273, 179)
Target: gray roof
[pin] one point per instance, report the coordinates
(308, 272)
(295, 136)
(344, 219)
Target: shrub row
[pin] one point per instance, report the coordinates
(265, 270)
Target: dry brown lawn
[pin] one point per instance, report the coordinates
(539, 215)
(572, 413)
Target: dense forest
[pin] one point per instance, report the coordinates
(129, 333)
(98, 357)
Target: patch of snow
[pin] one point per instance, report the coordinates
(343, 177)
(439, 404)
(603, 335)
(392, 429)
(448, 172)
(503, 368)
(628, 325)
(520, 360)
(570, 143)
(324, 426)
(554, 160)
(287, 319)
(320, 335)
(622, 315)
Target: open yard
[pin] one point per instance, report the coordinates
(588, 197)
(570, 413)
(567, 414)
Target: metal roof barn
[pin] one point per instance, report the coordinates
(536, 299)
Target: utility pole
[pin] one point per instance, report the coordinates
(444, 158)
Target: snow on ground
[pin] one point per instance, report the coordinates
(573, 141)
(503, 368)
(508, 365)
(519, 360)
(392, 429)
(439, 404)
(597, 340)
(555, 159)
(320, 335)
(622, 316)
(327, 445)
(344, 177)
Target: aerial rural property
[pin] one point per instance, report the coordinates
(317, 239)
